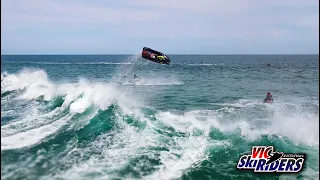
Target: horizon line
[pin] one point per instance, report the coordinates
(127, 54)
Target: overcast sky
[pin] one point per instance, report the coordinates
(170, 26)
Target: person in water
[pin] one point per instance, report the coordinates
(135, 76)
(268, 98)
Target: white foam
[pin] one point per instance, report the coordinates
(31, 137)
(37, 84)
(288, 119)
(25, 123)
(27, 78)
(120, 146)
(116, 148)
(190, 152)
(34, 126)
(202, 64)
(154, 82)
(295, 123)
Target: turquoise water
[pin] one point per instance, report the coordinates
(81, 117)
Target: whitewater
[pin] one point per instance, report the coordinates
(81, 117)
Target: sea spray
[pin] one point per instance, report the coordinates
(126, 68)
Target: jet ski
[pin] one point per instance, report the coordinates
(268, 101)
(155, 56)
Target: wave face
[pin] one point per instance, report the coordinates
(68, 119)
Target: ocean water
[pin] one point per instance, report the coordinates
(82, 117)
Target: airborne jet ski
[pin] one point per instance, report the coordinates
(155, 56)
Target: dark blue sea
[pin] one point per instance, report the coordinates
(85, 117)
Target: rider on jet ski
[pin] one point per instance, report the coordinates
(268, 98)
